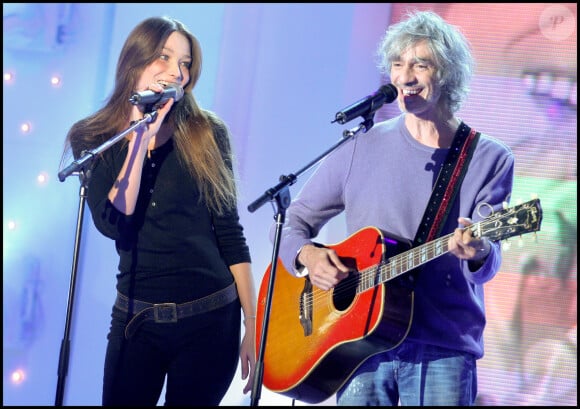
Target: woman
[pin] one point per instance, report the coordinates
(166, 195)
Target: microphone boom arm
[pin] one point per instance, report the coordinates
(87, 156)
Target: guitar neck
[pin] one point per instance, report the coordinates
(517, 220)
(401, 263)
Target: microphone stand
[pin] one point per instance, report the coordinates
(83, 167)
(281, 195)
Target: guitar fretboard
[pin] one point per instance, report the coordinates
(402, 263)
(501, 225)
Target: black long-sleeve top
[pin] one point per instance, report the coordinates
(172, 249)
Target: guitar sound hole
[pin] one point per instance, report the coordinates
(345, 291)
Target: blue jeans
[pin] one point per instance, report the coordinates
(413, 375)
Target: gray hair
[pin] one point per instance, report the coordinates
(451, 52)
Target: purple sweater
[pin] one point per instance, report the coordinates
(384, 178)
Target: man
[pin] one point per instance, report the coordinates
(385, 179)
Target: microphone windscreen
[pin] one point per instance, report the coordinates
(179, 91)
(390, 92)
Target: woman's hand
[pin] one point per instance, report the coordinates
(248, 353)
(149, 129)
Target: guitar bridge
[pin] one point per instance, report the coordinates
(306, 307)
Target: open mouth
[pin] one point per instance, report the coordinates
(411, 92)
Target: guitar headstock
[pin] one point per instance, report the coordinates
(514, 221)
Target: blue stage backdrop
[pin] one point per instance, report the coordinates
(277, 74)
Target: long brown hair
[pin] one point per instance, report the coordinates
(195, 130)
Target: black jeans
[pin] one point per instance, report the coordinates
(199, 355)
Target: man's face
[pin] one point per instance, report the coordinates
(413, 73)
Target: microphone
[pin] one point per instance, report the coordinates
(151, 97)
(368, 105)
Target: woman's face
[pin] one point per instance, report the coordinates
(172, 66)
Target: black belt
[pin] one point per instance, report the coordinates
(171, 312)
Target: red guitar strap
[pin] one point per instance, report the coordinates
(448, 183)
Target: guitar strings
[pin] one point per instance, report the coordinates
(371, 276)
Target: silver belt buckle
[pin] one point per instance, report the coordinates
(165, 312)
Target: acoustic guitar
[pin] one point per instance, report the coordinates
(316, 339)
